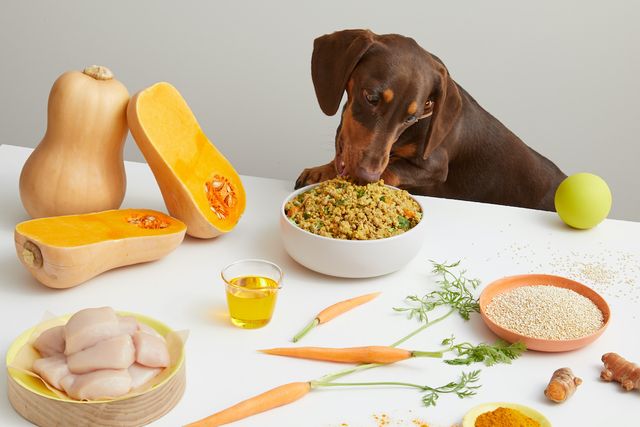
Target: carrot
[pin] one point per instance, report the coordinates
(333, 311)
(409, 214)
(371, 354)
(291, 212)
(263, 402)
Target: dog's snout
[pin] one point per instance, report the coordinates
(364, 175)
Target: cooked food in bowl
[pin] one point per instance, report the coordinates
(345, 253)
(342, 210)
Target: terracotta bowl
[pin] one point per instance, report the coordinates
(507, 283)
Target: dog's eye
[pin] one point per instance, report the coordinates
(410, 119)
(428, 104)
(372, 98)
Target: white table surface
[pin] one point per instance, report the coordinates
(223, 367)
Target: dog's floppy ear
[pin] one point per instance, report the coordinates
(446, 109)
(334, 58)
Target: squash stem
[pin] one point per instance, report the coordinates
(98, 72)
(31, 255)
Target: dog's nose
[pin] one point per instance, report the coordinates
(365, 176)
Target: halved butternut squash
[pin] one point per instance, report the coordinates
(198, 184)
(64, 251)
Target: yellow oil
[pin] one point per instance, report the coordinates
(251, 300)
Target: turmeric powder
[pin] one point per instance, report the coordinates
(505, 417)
(617, 368)
(562, 385)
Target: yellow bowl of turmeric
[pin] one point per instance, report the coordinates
(504, 414)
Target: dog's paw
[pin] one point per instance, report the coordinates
(315, 175)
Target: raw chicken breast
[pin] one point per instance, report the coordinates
(141, 375)
(52, 369)
(102, 384)
(148, 330)
(151, 350)
(67, 382)
(128, 325)
(89, 326)
(113, 353)
(50, 342)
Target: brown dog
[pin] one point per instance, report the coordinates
(408, 122)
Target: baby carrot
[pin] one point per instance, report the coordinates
(370, 354)
(263, 402)
(333, 311)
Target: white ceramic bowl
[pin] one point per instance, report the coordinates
(350, 258)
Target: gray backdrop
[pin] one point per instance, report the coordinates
(563, 75)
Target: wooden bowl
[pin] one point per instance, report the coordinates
(470, 417)
(36, 403)
(511, 282)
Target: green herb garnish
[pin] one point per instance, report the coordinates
(460, 388)
(455, 291)
(489, 354)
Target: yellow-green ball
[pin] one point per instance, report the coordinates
(583, 200)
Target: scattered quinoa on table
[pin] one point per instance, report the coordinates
(545, 312)
(340, 209)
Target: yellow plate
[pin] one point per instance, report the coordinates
(469, 419)
(36, 386)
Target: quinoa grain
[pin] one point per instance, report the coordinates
(545, 312)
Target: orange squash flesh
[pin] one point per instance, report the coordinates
(64, 251)
(198, 184)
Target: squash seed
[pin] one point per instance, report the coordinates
(220, 195)
(149, 222)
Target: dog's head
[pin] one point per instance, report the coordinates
(391, 84)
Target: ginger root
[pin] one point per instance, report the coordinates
(617, 368)
(562, 385)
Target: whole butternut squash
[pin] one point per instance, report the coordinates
(78, 165)
(64, 251)
(199, 185)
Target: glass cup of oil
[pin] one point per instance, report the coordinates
(252, 287)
